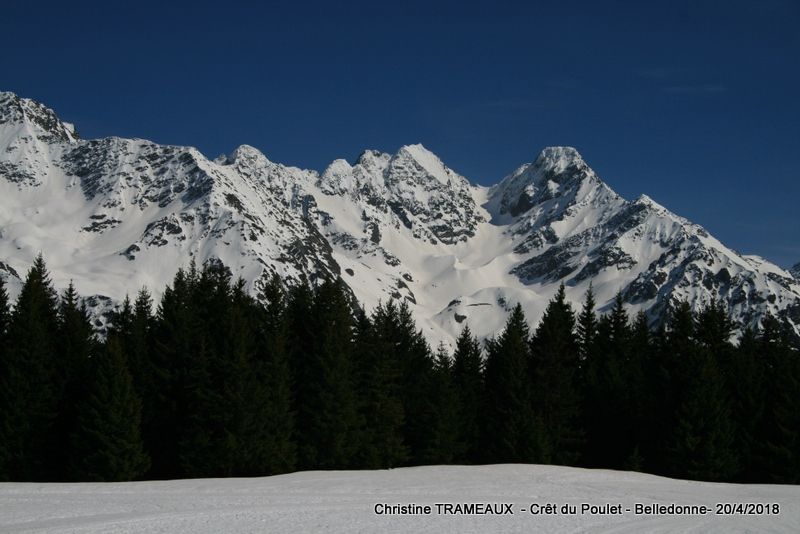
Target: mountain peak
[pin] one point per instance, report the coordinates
(372, 158)
(395, 226)
(558, 171)
(245, 154)
(427, 160)
(39, 120)
(558, 158)
(647, 201)
(8, 100)
(337, 178)
(417, 151)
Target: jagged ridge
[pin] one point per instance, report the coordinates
(115, 214)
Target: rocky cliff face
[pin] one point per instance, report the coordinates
(116, 214)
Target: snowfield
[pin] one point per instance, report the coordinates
(344, 501)
(114, 215)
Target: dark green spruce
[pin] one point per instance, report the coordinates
(106, 444)
(553, 372)
(31, 386)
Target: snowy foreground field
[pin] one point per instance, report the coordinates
(345, 501)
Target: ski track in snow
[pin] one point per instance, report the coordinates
(343, 501)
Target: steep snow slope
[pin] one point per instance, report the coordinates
(572, 227)
(341, 501)
(116, 214)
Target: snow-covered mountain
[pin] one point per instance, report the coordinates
(116, 214)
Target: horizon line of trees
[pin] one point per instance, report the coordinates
(214, 383)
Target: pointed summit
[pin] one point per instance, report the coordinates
(419, 164)
(373, 163)
(795, 271)
(247, 153)
(27, 129)
(337, 178)
(557, 172)
(369, 155)
(427, 160)
(399, 226)
(647, 201)
(557, 159)
(30, 118)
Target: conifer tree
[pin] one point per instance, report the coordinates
(619, 321)
(700, 444)
(674, 348)
(511, 431)
(5, 315)
(378, 382)
(591, 338)
(122, 321)
(680, 334)
(639, 361)
(444, 442)
(75, 331)
(415, 363)
(780, 457)
(331, 407)
(586, 328)
(30, 386)
(747, 388)
(273, 450)
(300, 347)
(136, 339)
(208, 441)
(410, 361)
(245, 392)
(133, 325)
(5, 319)
(75, 342)
(5, 369)
(468, 384)
(553, 372)
(174, 350)
(714, 330)
(221, 429)
(106, 443)
(609, 393)
(641, 337)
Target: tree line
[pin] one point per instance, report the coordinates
(212, 382)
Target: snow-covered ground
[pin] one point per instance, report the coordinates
(345, 501)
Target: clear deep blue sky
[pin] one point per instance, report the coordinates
(695, 103)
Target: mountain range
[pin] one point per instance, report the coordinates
(117, 214)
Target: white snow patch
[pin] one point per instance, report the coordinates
(344, 501)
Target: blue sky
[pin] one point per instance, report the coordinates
(693, 102)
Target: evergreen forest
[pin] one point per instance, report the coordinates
(211, 382)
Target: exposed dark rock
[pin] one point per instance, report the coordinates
(130, 252)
